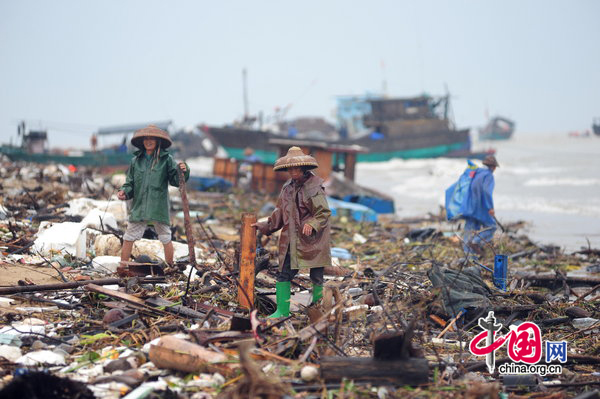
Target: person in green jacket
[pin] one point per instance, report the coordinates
(150, 172)
(302, 214)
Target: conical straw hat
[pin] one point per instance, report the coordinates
(295, 157)
(151, 131)
(490, 160)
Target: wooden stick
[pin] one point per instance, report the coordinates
(590, 292)
(189, 232)
(247, 256)
(452, 322)
(74, 284)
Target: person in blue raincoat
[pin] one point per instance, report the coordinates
(478, 212)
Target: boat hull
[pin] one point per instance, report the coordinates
(97, 159)
(495, 135)
(422, 145)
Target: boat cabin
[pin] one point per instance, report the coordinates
(36, 142)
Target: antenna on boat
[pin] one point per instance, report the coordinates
(384, 88)
(448, 112)
(245, 88)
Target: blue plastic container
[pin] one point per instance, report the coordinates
(500, 271)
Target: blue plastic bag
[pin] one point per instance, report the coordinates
(457, 195)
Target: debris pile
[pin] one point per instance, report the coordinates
(400, 307)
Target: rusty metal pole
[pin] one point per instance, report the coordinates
(247, 256)
(189, 233)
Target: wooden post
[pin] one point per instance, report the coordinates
(247, 255)
(350, 164)
(323, 158)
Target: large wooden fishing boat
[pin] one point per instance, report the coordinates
(416, 127)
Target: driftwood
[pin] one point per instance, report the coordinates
(410, 371)
(160, 305)
(177, 354)
(74, 284)
(175, 309)
(553, 279)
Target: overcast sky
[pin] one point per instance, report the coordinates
(72, 66)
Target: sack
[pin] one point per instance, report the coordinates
(458, 193)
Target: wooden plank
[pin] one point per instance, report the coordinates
(73, 284)
(220, 311)
(219, 167)
(247, 256)
(410, 371)
(115, 294)
(350, 165)
(175, 309)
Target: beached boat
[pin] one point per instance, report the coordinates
(105, 158)
(498, 128)
(34, 148)
(417, 127)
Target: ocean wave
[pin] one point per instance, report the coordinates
(551, 181)
(534, 170)
(411, 164)
(544, 205)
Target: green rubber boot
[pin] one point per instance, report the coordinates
(317, 293)
(283, 299)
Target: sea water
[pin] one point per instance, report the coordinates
(550, 181)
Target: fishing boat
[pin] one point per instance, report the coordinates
(416, 127)
(498, 128)
(34, 148)
(412, 127)
(596, 126)
(84, 158)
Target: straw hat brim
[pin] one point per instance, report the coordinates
(308, 165)
(138, 140)
(295, 158)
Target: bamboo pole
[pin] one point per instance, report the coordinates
(247, 255)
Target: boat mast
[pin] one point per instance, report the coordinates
(245, 89)
(384, 87)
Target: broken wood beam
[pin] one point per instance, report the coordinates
(17, 289)
(412, 371)
(247, 256)
(552, 278)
